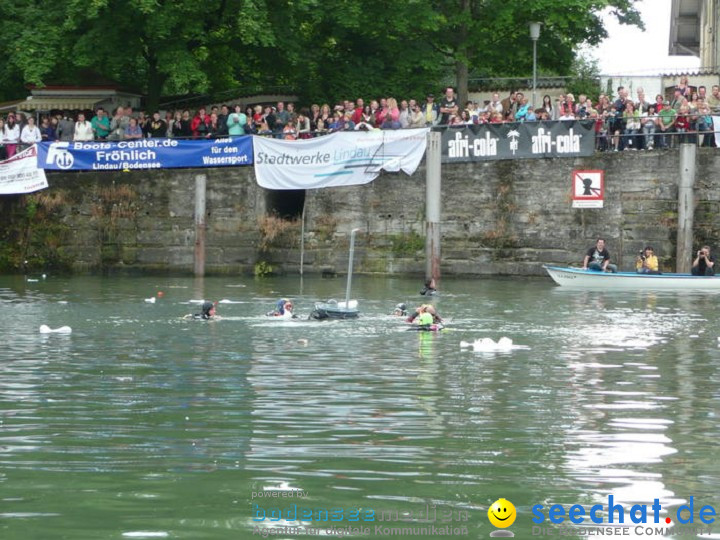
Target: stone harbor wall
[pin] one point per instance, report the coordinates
(498, 218)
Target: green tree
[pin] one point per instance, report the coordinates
(490, 38)
(585, 78)
(329, 49)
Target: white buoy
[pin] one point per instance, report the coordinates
(45, 329)
(150, 300)
(488, 344)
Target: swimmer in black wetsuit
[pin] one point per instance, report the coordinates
(400, 310)
(207, 312)
(429, 288)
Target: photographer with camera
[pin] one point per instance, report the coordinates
(704, 263)
(647, 262)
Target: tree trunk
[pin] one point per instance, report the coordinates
(461, 80)
(155, 81)
(461, 55)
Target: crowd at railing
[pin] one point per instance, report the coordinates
(621, 124)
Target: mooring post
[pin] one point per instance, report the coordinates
(432, 206)
(302, 236)
(686, 208)
(200, 226)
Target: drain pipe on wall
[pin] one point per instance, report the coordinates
(432, 206)
(686, 208)
(200, 225)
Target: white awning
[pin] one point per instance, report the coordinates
(58, 103)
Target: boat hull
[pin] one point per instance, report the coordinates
(335, 311)
(589, 279)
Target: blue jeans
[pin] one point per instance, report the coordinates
(597, 267)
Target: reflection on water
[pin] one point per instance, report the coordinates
(142, 424)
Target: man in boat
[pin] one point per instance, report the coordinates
(704, 263)
(647, 262)
(598, 258)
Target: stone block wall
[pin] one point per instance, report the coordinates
(498, 217)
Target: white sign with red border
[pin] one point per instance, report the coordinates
(588, 189)
(20, 173)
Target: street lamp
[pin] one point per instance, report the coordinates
(534, 35)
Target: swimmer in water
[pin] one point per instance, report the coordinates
(425, 309)
(207, 312)
(424, 319)
(400, 310)
(429, 288)
(284, 309)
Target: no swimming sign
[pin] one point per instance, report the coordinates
(588, 189)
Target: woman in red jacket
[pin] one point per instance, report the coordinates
(200, 124)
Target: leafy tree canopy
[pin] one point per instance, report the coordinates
(320, 49)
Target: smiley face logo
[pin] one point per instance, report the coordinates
(502, 513)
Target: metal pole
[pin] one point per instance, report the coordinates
(350, 267)
(433, 204)
(200, 227)
(302, 236)
(534, 101)
(686, 208)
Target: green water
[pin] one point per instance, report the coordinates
(142, 425)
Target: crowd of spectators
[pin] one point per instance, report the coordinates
(621, 124)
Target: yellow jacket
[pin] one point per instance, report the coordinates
(651, 263)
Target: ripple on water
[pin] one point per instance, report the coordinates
(613, 397)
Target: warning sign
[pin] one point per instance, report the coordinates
(588, 189)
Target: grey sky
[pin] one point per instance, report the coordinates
(630, 51)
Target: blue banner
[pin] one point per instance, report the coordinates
(145, 154)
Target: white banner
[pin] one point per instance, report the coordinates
(345, 158)
(20, 173)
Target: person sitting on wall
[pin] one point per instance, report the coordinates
(647, 262)
(704, 263)
(598, 258)
(429, 289)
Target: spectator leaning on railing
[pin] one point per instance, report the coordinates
(83, 129)
(30, 134)
(118, 125)
(11, 135)
(619, 124)
(157, 126)
(236, 121)
(101, 124)
(66, 127)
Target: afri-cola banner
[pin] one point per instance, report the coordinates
(144, 154)
(20, 173)
(563, 138)
(345, 158)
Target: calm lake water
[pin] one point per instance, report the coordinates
(143, 425)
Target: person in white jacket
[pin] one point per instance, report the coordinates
(30, 134)
(83, 129)
(11, 135)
